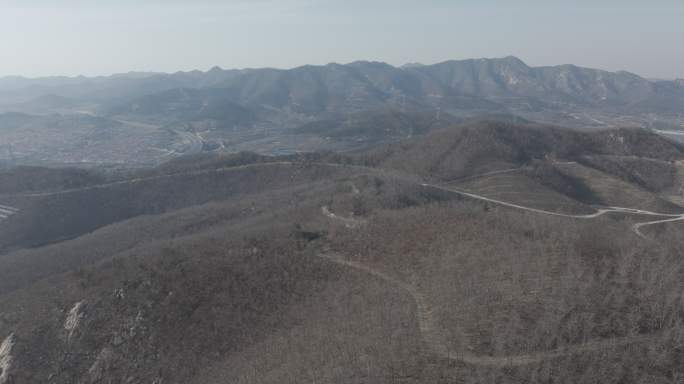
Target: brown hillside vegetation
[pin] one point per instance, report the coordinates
(24, 179)
(484, 146)
(388, 266)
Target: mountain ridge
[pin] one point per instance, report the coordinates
(216, 68)
(470, 84)
(257, 109)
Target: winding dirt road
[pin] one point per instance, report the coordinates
(426, 320)
(428, 326)
(434, 342)
(671, 217)
(668, 217)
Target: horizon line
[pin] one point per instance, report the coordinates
(151, 73)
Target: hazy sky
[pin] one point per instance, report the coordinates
(70, 37)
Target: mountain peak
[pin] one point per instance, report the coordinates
(508, 60)
(412, 65)
(514, 60)
(367, 63)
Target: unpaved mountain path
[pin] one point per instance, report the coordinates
(671, 217)
(428, 325)
(426, 320)
(599, 210)
(434, 343)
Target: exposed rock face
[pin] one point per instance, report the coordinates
(6, 358)
(73, 319)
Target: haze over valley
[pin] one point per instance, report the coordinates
(149, 118)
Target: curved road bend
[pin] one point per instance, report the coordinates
(425, 318)
(599, 210)
(433, 341)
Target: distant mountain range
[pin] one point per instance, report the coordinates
(489, 84)
(355, 104)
